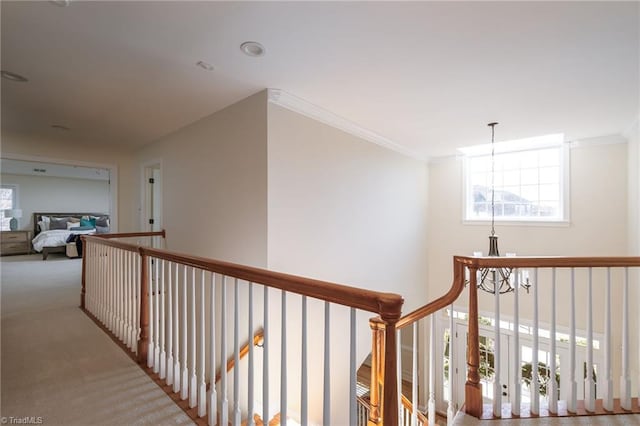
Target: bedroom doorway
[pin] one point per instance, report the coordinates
(152, 209)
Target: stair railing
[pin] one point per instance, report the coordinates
(595, 294)
(175, 311)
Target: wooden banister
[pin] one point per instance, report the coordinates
(244, 350)
(132, 234)
(548, 261)
(384, 304)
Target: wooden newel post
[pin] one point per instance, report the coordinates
(390, 362)
(143, 342)
(83, 292)
(473, 388)
(377, 326)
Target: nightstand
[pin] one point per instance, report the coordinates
(15, 242)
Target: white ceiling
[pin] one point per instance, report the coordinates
(425, 75)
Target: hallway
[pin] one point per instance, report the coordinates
(57, 365)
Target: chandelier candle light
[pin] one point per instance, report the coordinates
(497, 279)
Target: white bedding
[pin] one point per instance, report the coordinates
(55, 238)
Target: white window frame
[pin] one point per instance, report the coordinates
(562, 220)
(15, 201)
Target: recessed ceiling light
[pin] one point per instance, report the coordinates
(61, 3)
(252, 48)
(205, 65)
(60, 127)
(13, 76)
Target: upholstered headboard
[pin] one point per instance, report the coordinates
(37, 217)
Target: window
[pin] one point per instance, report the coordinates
(8, 197)
(529, 182)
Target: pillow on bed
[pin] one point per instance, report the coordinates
(85, 221)
(44, 226)
(58, 223)
(102, 229)
(102, 221)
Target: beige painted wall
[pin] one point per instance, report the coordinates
(598, 223)
(55, 194)
(84, 154)
(598, 227)
(345, 210)
(633, 136)
(214, 178)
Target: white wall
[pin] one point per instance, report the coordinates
(633, 156)
(598, 208)
(345, 210)
(598, 227)
(54, 194)
(120, 158)
(214, 184)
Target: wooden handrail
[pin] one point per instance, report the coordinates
(244, 350)
(384, 304)
(548, 261)
(405, 403)
(133, 234)
(111, 243)
(454, 292)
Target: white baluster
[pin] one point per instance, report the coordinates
(213, 395)
(156, 317)
(121, 305)
(607, 400)
(112, 288)
(283, 361)
(169, 342)
(552, 395)
(163, 343)
(224, 404)
(193, 387)
(515, 406)
(414, 376)
(304, 392)
(265, 358)
(625, 380)
(326, 399)
(497, 354)
(451, 406)
(353, 368)
(250, 408)
(573, 396)
(128, 299)
(116, 287)
(535, 389)
(184, 382)
(176, 331)
(237, 415)
(202, 391)
(431, 403)
(152, 320)
(590, 385)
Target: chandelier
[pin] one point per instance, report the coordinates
(502, 280)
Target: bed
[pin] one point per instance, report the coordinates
(52, 230)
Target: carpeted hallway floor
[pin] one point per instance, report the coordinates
(57, 365)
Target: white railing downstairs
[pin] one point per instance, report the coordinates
(573, 323)
(181, 315)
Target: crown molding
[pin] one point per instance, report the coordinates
(293, 103)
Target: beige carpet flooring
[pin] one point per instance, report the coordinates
(57, 365)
